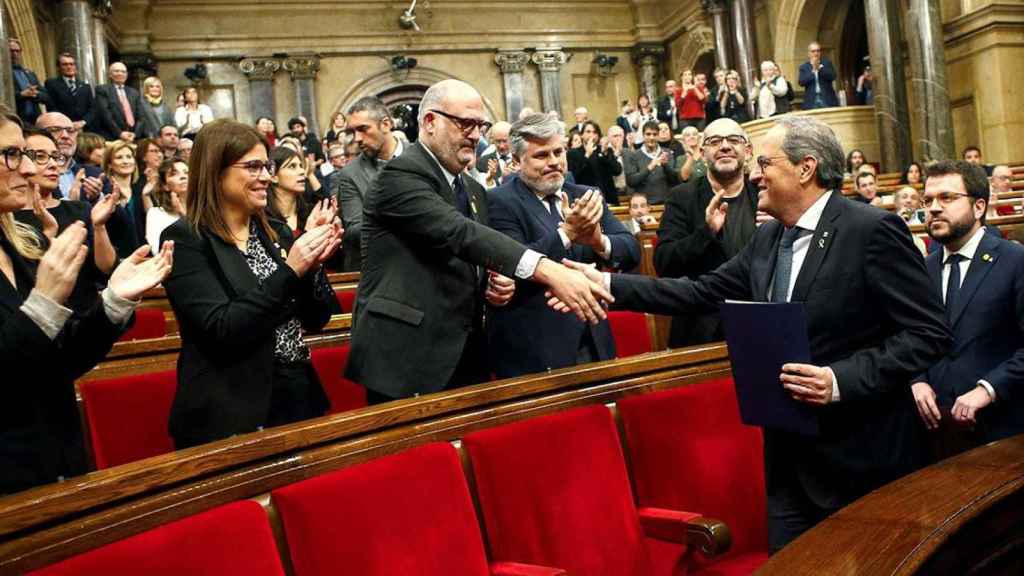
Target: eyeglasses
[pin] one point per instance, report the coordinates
(43, 158)
(765, 161)
(944, 198)
(256, 166)
(716, 141)
(465, 124)
(13, 157)
(56, 130)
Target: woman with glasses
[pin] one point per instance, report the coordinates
(733, 104)
(45, 346)
(168, 199)
(148, 158)
(244, 292)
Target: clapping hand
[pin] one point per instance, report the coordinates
(313, 247)
(323, 212)
(137, 273)
(589, 145)
(48, 222)
(499, 289)
(103, 210)
(59, 266)
(715, 213)
(510, 167)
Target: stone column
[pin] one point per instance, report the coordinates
(933, 120)
(717, 9)
(549, 61)
(304, 68)
(512, 64)
(76, 35)
(890, 93)
(140, 66)
(260, 72)
(648, 60)
(99, 24)
(6, 76)
(746, 50)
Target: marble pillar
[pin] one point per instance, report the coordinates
(717, 9)
(303, 69)
(746, 50)
(260, 72)
(76, 35)
(512, 64)
(933, 120)
(549, 61)
(100, 15)
(890, 92)
(6, 76)
(648, 59)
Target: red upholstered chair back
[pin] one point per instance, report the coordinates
(630, 331)
(127, 416)
(347, 299)
(149, 323)
(343, 393)
(554, 491)
(409, 513)
(689, 451)
(234, 539)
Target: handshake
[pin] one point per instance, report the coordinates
(572, 287)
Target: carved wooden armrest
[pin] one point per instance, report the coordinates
(709, 536)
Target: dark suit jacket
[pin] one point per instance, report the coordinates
(110, 120)
(77, 106)
(40, 431)
(826, 75)
(526, 335)
(420, 288)
(988, 335)
(653, 184)
(481, 166)
(664, 108)
(867, 319)
(687, 249)
(227, 322)
(599, 170)
(28, 108)
(349, 186)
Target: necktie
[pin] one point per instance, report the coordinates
(129, 118)
(784, 265)
(953, 285)
(71, 85)
(553, 200)
(461, 197)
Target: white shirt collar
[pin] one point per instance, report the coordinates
(968, 249)
(449, 177)
(399, 147)
(809, 219)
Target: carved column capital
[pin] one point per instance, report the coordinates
(302, 66)
(550, 59)
(714, 6)
(647, 53)
(259, 68)
(511, 61)
(102, 8)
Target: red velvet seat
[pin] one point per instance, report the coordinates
(229, 540)
(409, 513)
(127, 416)
(629, 329)
(553, 490)
(689, 449)
(343, 393)
(149, 323)
(347, 300)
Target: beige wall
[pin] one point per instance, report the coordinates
(854, 125)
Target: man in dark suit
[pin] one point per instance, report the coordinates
(871, 328)
(28, 90)
(817, 76)
(69, 95)
(370, 126)
(706, 222)
(969, 397)
(497, 165)
(667, 111)
(418, 323)
(560, 221)
(118, 107)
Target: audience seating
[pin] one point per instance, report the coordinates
(689, 450)
(346, 299)
(631, 333)
(229, 540)
(554, 491)
(149, 323)
(342, 393)
(408, 513)
(127, 417)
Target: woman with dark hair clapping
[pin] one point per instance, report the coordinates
(286, 199)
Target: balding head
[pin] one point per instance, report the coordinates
(451, 121)
(62, 129)
(1002, 178)
(499, 137)
(118, 73)
(726, 149)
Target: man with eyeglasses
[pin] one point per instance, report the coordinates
(65, 134)
(430, 261)
(968, 398)
(706, 222)
(69, 95)
(871, 326)
(817, 76)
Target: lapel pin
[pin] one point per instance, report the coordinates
(821, 242)
(824, 234)
(284, 253)
(986, 258)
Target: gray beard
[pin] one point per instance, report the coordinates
(542, 187)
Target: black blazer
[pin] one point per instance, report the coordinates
(421, 283)
(599, 170)
(988, 335)
(867, 318)
(526, 335)
(110, 120)
(826, 76)
(227, 322)
(77, 106)
(40, 430)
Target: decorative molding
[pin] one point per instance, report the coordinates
(102, 8)
(550, 59)
(511, 61)
(713, 6)
(304, 66)
(260, 68)
(647, 52)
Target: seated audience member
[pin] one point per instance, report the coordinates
(70, 95)
(618, 147)
(559, 221)
(91, 147)
(732, 101)
(912, 174)
(972, 154)
(185, 148)
(868, 169)
(648, 169)
(336, 160)
(575, 140)
(690, 99)
(40, 431)
(667, 141)
(644, 113)
(168, 140)
(65, 134)
(867, 188)
(1002, 179)
(121, 173)
(854, 160)
(193, 115)
(692, 165)
(336, 130)
(639, 214)
(268, 129)
(157, 112)
(769, 94)
(967, 398)
(243, 292)
(497, 165)
(907, 202)
(168, 199)
(286, 201)
(594, 164)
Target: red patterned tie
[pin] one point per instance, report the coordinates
(128, 116)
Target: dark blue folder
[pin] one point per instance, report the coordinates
(762, 336)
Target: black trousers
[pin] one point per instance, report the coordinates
(471, 369)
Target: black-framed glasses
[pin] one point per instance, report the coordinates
(256, 166)
(944, 198)
(56, 130)
(716, 141)
(465, 124)
(12, 157)
(765, 161)
(42, 158)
